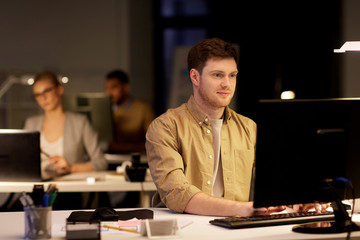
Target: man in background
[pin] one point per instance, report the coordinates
(132, 116)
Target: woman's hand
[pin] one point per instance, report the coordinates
(60, 164)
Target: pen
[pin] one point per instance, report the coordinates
(26, 200)
(121, 229)
(51, 188)
(46, 154)
(52, 197)
(45, 200)
(28, 204)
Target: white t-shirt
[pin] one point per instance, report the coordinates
(218, 182)
(50, 149)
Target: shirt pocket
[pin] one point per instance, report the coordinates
(244, 160)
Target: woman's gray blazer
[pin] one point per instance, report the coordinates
(80, 139)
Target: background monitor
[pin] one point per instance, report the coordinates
(300, 144)
(97, 107)
(19, 155)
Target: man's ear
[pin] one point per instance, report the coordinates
(126, 87)
(194, 76)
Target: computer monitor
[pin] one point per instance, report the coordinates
(19, 155)
(97, 107)
(302, 145)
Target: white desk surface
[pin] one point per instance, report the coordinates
(12, 227)
(77, 182)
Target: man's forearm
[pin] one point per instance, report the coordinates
(203, 204)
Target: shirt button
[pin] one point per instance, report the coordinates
(208, 131)
(208, 182)
(210, 156)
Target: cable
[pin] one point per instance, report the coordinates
(353, 207)
(348, 183)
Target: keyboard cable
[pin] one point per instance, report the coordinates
(353, 205)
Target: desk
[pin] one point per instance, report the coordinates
(77, 182)
(12, 227)
(120, 158)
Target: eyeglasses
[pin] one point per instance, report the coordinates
(44, 93)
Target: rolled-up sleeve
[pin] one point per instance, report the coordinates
(167, 165)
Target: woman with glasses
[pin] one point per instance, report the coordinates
(68, 142)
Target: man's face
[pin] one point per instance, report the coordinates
(115, 89)
(217, 82)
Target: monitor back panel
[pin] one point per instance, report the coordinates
(302, 142)
(97, 107)
(20, 156)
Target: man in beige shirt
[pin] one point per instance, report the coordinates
(132, 116)
(201, 154)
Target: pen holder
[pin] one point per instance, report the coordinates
(37, 222)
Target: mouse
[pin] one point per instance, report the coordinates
(106, 213)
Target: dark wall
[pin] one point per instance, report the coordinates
(284, 45)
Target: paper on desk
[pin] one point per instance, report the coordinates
(115, 176)
(136, 223)
(129, 223)
(58, 230)
(184, 223)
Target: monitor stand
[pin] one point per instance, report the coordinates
(341, 224)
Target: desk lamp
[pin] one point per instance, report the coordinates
(24, 80)
(348, 46)
(10, 80)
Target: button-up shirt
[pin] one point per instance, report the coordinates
(180, 154)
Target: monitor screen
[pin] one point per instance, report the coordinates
(300, 144)
(97, 107)
(19, 155)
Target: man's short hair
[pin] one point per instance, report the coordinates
(209, 48)
(118, 74)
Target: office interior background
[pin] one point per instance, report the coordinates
(283, 45)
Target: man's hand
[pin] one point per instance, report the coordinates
(318, 207)
(268, 210)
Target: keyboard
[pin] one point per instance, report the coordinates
(272, 220)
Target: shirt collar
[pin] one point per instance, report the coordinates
(200, 116)
(126, 105)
